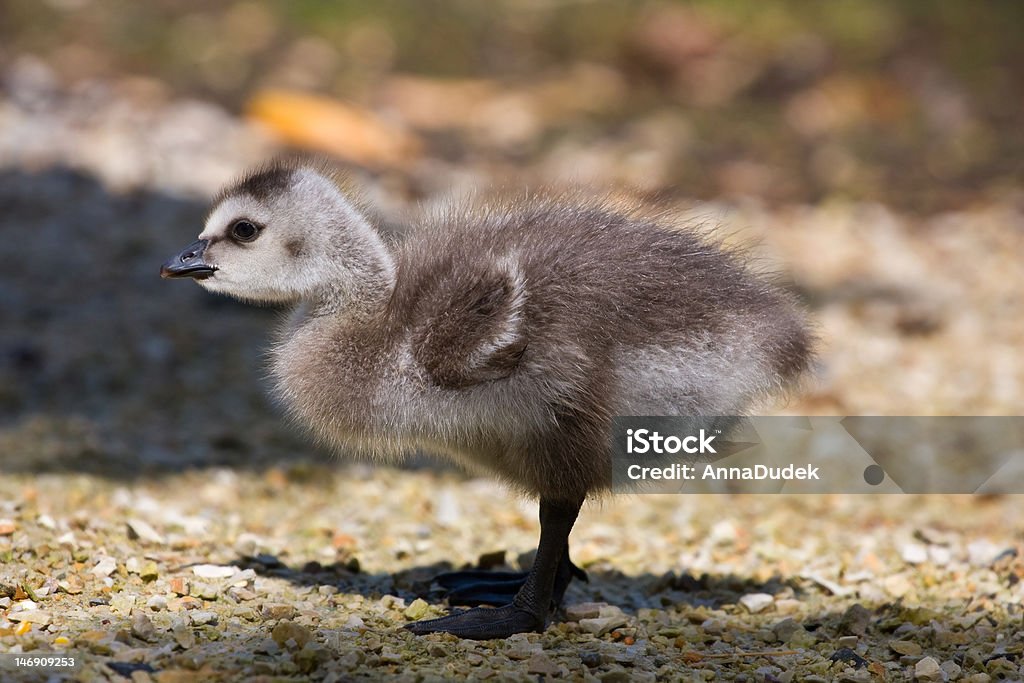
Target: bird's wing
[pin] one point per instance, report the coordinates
(474, 327)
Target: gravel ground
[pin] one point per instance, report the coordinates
(159, 519)
(311, 571)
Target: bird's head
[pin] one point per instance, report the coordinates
(284, 233)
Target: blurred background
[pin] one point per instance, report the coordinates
(870, 153)
(913, 104)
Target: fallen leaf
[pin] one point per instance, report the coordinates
(327, 125)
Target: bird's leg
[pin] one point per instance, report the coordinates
(481, 587)
(528, 610)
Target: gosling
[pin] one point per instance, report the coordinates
(504, 335)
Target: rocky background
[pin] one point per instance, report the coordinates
(160, 519)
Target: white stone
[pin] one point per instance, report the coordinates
(214, 571)
(144, 531)
(940, 555)
(982, 552)
(157, 603)
(202, 617)
(105, 567)
(723, 532)
(914, 553)
(757, 602)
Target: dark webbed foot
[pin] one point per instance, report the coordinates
(482, 623)
(533, 596)
(478, 587)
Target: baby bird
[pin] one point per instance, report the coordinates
(503, 335)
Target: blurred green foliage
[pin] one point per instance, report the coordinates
(914, 102)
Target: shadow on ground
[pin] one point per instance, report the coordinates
(105, 368)
(647, 590)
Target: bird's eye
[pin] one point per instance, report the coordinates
(244, 231)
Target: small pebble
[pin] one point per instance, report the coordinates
(897, 585)
(213, 571)
(248, 544)
(32, 616)
(787, 606)
(203, 617)
(785, 629)
(520, 647)
(142, 627)
(601, 625)
(312, 655)
(584, 610)
(928, 670)
(189, 602)
(267, 646)
(914, 553)
(757, 602)
(157, 603)
(105, 567)
(713, 626)
(982, 552)
(542, 665)
(241, 594)
(271, 612)
(723, 532)
(183, 636)
(417, 609)
(138, 529)
(951, 670)
(855, 620)
(206, 591)
(122, 603)
(940, 556)
(291, 635)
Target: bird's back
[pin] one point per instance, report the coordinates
(603, 281)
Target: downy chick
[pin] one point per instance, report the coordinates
(503, 335)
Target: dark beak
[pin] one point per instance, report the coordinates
(189, 263)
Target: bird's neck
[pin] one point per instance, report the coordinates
(360, 282)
